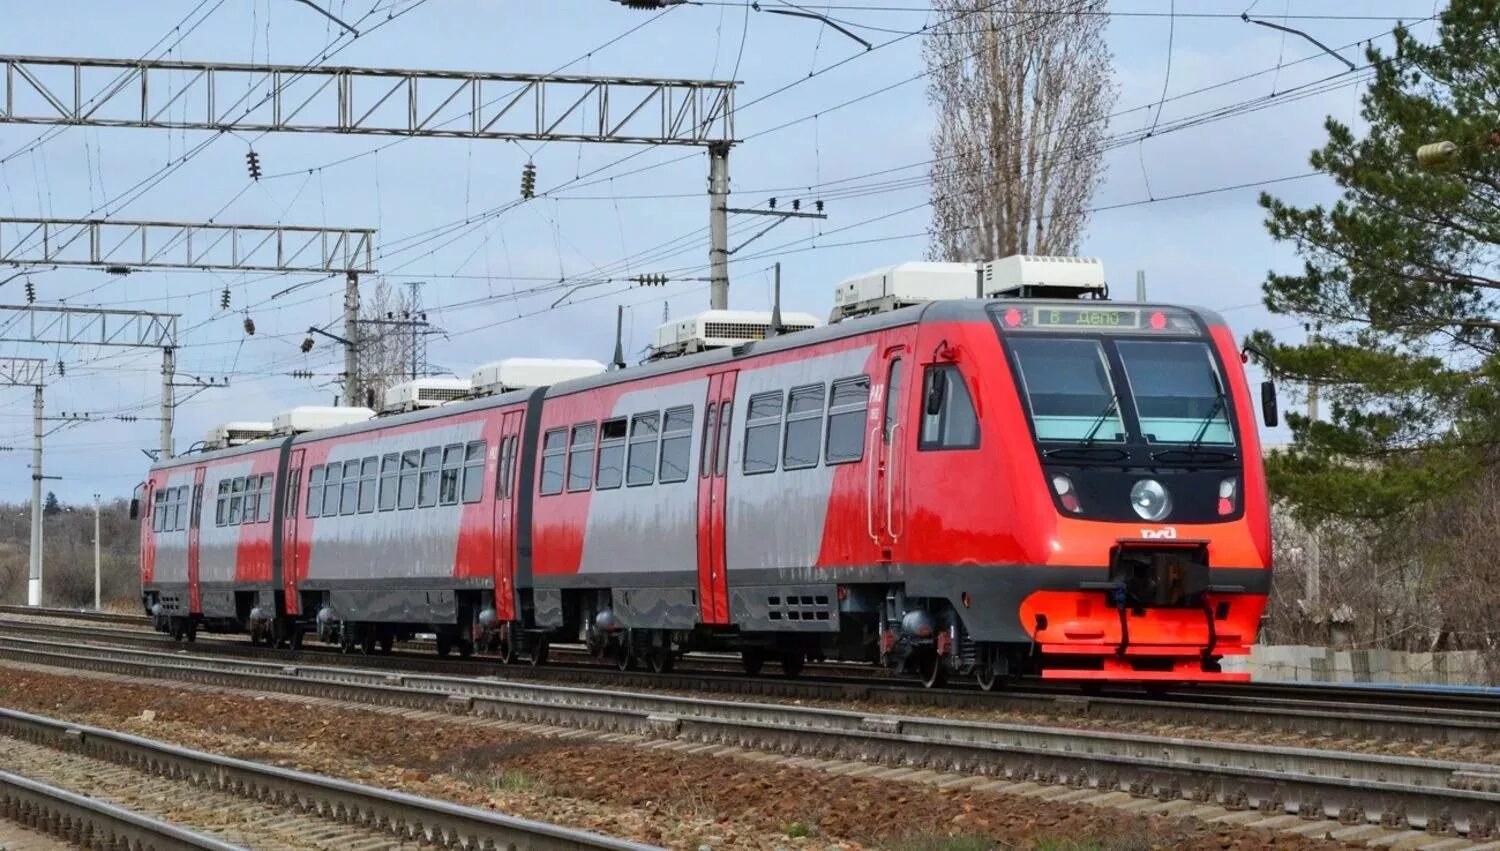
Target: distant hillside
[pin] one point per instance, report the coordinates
(68, 549)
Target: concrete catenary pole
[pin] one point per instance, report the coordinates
(718, 226)
(168, 405)
(352, 397)
(34, 582)
(1140, 285)
(96, 552)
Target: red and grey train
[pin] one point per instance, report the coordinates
(1071, 488)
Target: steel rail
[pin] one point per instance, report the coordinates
(411, 817)
(86, 822)
(1329, 716)
(1443, 797)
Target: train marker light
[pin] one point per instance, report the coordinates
(1013, 317)
(1158, 321)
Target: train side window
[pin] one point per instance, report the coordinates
(955, 425)
(263, 513)
(332, 479)
(453, 465)
(554, 453)
(156, 503)
(892, 400)
(505, 474)
(581, 457)
(763, 432)
(368, 482)
(410, 462)
(221, 506)
(432, 468)
(611, 467)
(676, 445)
(706, 451)
(252, 499)
(640, 468)
(293, 484)
(847, 404)
(350, 501)
(182, 508)
(315, 491)
(236, 500)
(473, 487)
(804, 428)
(390, 469)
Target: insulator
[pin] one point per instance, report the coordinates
(62, 368)
(528, 181)
(1436, 153)
(252, 161)
(818, 205)
(224, 299)
(30, 292)
(249, 326)
(796, 204)
(773, 203)
(307, 345)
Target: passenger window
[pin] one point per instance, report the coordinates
(641, 468)
(293, 484)
(252, 499)
(706, 451)
(763, 432)
(473, 487)
(315, 491)
(611, 467)
(847, 405)
(726, 416)
(221, 507)
(506, 472)
(804, 428)
(390, 469)
(892, 400)
(350, 502)
(368, 483)
(332, 478)
(267, 482)
(411, 462)
(676, 445)
(955, 425)
(581, 457)
(432, 469)
(554, 452)
(236, 500)
(453, 462)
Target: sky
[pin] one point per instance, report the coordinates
(817, 114)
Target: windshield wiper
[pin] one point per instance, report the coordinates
(1213, 411)
(1088, 439)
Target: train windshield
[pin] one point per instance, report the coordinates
(1078, 390)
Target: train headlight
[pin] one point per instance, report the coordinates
(1150, 499)
(1229, 493)
(1063, 487)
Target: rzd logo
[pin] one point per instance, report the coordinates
(1167, 532)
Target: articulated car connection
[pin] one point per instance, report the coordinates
(1031, 482)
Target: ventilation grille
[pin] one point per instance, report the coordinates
(798, 607)
(719, 329)
(440, 394)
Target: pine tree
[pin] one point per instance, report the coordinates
(49, 505)
(1398, 290)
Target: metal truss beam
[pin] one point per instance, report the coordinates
(87, 326)
(22, 372)
(378, 101)
(186, 245)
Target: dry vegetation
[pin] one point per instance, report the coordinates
(68, 550)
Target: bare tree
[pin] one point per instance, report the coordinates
(387, 343)
(1022, 91)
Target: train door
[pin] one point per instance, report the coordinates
(713, 474)
(147, 515)
(195, 595)
(291, 557)
(885, 498)
(507, 470)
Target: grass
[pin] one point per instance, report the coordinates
(508, 780)
(943, 843)
(982, 843)
(797, 829)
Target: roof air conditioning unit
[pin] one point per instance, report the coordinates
(236, 434)
(503, 376)
(717, 329)
(1031, 276)
(902, 285)
(314, 417)
(424, 393)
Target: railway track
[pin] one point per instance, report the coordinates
(79, 821)
(1334, 714)
(251, 805)
(1444, 798)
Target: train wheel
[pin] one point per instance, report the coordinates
(175, 629)
(539, 653)
(792, 663)
(931, 669)
(624, 658)
(295, 639)
(191, 631)
(465, 648)
(386, 641)
(660, 659)
(506, 650)
(753, 660)
(367, 641)
(444, 645)
(986, 675)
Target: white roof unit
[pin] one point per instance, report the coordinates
(1031, 276)
(424, 393)
(716, 329)
(902, 285)
(313, 417)
(509, 374)
(236, 434)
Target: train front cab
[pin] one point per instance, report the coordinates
(1106, 519)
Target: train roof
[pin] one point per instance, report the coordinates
(949, 310)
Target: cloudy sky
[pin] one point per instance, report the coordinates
(820, 116)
